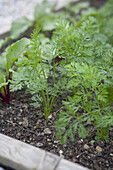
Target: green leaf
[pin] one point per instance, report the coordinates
(89, 12)
(3, 82)
(62, 3)
(70, 133)
(3, 63)
(43, 39)
(82, 131)
(43, 9)
(92, 141)
(19, 26)
(14, 51)
(2, 41)
(77, 7)
(49, 22)
(64, 139)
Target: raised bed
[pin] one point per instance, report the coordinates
(22, 156)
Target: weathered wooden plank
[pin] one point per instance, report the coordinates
(21, 156)
(67, 165)
(50, 162)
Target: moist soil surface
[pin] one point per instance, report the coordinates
(23, 122)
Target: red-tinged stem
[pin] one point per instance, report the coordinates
(8, 88)
(7, 92)
(6, 96)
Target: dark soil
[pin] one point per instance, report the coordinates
(97, 3)
(22, 122)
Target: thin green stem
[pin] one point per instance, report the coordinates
(54, 70)
(44, 98)
(48, 100)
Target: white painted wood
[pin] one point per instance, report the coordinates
(21, 156)
(67, 165)
(49, 162)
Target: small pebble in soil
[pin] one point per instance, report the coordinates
(86, 146)
(56, 141)
(18, 134)
(20, 123)
(50, 116)
(80, 141)
(111, 154)
(39, 144)
(47, 131)
(21, 110)
(25, 122)
(61, 154)
(14, 124)
(39, 121)
(98, 149)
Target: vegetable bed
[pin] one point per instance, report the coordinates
(56, 86)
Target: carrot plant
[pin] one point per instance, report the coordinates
(38, 71)
(90, 103)
(90, 79)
